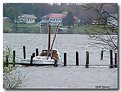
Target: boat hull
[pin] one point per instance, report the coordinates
(41, 60)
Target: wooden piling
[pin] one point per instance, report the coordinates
(31, 60)
(33, 54)
(14, 58)
(24, 52)
(87, 59)
(102, 55)
(115, 60)
(6, 61)
(111, 59)
(77, 58)
(65, 59)
(55, 63)
(37, 52)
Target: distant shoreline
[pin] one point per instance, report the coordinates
(51, 33)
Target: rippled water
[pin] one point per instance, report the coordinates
(66, 43)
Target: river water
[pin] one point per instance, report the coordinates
(65, 43)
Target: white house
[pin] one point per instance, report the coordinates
(6, 19)
(53, 18)
(26, 18)
(44, 20)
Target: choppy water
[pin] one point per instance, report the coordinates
(66, 43)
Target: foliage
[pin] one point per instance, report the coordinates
(8, 52)
(7, 27)
(103, 14)
(12, 10)
(12, 77)
(69, 19)
(12, 13)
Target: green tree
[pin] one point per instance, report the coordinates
(69, 20)
(11, 13)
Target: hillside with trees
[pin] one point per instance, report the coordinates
(81, 11)
(12, 10)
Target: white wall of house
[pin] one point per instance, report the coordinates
(55, 21)
(27, 20)
(30, 20)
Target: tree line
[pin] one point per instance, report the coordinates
(12, 10)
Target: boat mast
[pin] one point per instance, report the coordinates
(54, 36)
(49, 29)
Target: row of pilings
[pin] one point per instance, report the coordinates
(113, 63)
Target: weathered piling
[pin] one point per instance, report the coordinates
(77, 58)
(6, 61)
(31, 60)
(65, 59)
(37, 52)
(102, 55)
(111, 59)
(55, 63)
(115, 60)
(87, 59)
(33, 54)
(14, 58)
(24, 52)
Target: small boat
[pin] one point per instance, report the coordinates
(47, 57)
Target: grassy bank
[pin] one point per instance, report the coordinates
(93, 29)
(35, 28)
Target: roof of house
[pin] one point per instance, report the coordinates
(75, 17)
(56, 15)
(28, 16)
(5, 18)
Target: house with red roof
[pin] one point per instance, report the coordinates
(53, 18)
(56, 18)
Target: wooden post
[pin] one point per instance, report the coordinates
(77, 58)
(55, 64)
(87, 59)
(14, 58)
(111, 59)
(33, 54)
(6, 61)
(115, 60)
(65, 59)
(37, 52)
(24, 52)
(102, 55)
(31, 61)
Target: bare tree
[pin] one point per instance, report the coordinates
(105, 20)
